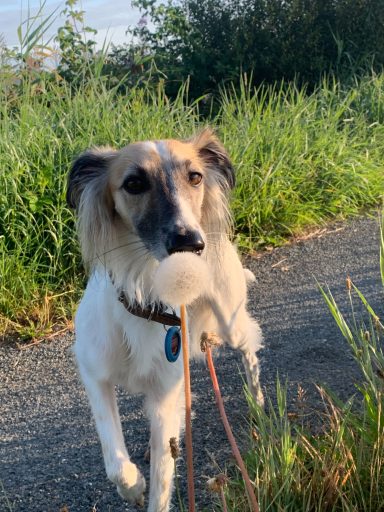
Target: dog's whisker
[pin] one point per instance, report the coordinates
(146, 255)
(107, 258)
(128, 244)
(114, 249)
(120, 259)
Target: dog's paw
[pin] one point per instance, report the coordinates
(256, 392)
(258, 396)
(249, 276)
(130, 483)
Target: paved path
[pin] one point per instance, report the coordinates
(50, 459)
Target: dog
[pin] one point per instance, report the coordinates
(136, 206)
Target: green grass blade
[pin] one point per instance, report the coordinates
(382, 251)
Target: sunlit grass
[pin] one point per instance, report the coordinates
(300, 160)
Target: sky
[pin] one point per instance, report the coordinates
(111, 18)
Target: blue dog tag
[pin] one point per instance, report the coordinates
(172, 344)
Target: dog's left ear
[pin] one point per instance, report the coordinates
(213, 154)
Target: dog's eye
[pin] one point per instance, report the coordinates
(195, 178)
(135, 185)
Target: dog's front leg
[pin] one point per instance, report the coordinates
(165, 412)
(120, 470)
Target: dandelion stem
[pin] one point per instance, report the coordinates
(188, 410)
(222, 496)
(228, 430)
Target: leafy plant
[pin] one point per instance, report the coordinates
(76, 50)
(301, 158)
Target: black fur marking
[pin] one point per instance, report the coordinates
(215, 156)
(87, 167)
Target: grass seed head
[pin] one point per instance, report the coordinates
(216, 483)
(175, 452)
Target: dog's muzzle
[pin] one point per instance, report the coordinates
(185, 241)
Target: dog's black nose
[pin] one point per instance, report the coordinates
(188, 241)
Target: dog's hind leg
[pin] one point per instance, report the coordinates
(246, 336)
(120, 470)
(252, 372)
(164, 411)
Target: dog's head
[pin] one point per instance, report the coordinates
(166, 195)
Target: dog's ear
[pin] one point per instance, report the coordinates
(213, 154)
(86, 169)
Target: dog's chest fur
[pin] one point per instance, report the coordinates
(132, 348)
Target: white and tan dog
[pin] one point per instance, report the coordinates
(135, 207)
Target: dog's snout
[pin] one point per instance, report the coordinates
(185, 241)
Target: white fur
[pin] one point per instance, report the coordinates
(162, 149)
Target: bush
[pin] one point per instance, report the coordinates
(213, 42)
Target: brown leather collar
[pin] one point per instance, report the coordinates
(154, 312)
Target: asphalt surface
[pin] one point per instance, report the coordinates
(50, 458)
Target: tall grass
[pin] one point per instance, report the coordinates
(300, 159)
(303, 158)
(340, 469)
